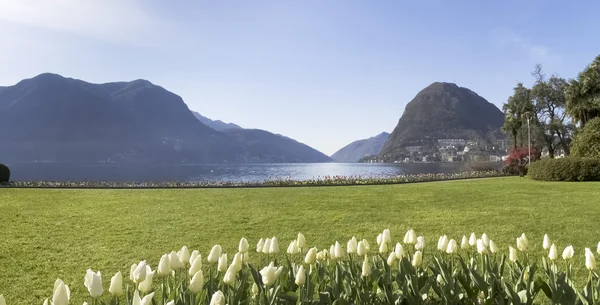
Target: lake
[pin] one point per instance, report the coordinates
(220, 173)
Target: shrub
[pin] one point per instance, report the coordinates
(517, 160)
(566, 169)
(587, 141)
(4, 173)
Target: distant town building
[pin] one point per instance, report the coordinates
(414, 149)
(451, 142)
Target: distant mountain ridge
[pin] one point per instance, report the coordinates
(217, 125)
(50, 118)
(354, 151)
(444, 110)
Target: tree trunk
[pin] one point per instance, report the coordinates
(514, 134)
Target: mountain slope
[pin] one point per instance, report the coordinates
(217, 125)
(444, 110)
(268, 147)
(358, 149)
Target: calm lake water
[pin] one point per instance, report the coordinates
(236, 173)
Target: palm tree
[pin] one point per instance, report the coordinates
(583, 94)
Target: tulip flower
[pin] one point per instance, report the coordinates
(391, 258)
(146, 285)
(332, 252)
(237, 261)
(172, 302)
(366, 243)
(553, 253)
(300, 276)
(193, 256)
(2, 300)
(352, 245)
(164, 266)
(61, 295)
(116, 284)
(598, 250)
(93, 282)
(568, 253)
(293, 248)
(452, 247)
(266, 246)
(420, 243)
(222, 265)
(339, 251)
(260, 245)
(383, 248)
(301, 241)
(590, 260)
(493, 247)
(546, 243)
(197, 282)
(218, 298)
(230, 275)
(245, 257)
(366, 267)
(269, 274)
(387, 236)
(255, 290)
(311, 256)
(215, 254)
(379, 239)
(46, 301)
(243, 246)
(485, 239)
(512, 254)
(473, 240)
(57, 284)
(522, 243)
(147, 300)
(410, 238)
(361, 249)
(464, 243)
(139, 272)
(136, 298)
(274, 247)
(399, 251)
(196, 265)
(174, 261)
(322, 256)
(442, 243)
(481, 248)
(417, 259)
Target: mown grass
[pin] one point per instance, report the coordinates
(47, 233)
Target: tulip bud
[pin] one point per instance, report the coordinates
(61, 295)
(417, 259)
(473, 240)
(230, 275)
(512, 254)
(553, 253)
(164, 266)
(387, 236)
(147, 300)
(366, 267)
(442, 243)
(215, 254)
(546, 243)
(383, 248)
(116, 284)
(139, 273)
(222, 266)
(440, 279)
(197, 282)
(300, 276)
(391, 258)
(260, 245)
(352, 245)
(255, 290)
(184, 255)
(485, 239)
(452, 247)
(311, 256)
(2, 300)
(218, 298)
(410, 238)
(237, 262)
(301, 241)
(568, 253)
(399, 251)
(481, 248)
(420, 243)
(361, 249)
(493, 247)
(196, 265)
(464, 243)
(243, 246)
(93, 282)
(339, 251)
(266, 246)
(146, 285)
(274, 248)
(590, 260)
(269, 274)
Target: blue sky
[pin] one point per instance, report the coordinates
(323, 72)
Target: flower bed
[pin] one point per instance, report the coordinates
(321, 181)
(470, 270)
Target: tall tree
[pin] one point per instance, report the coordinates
(583, 94)
(518, 106)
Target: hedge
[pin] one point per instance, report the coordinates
(566, 169)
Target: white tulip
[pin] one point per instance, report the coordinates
(260, 245)
(387, 236)
(339, 251)
(366, 243)
(196, 265)
(379, 239)
(243, 246)
(174, 261)
(139, 273)
(366, 267)
(417, 259)
(147, 300)
(184, 255)
(301, 241)
(352, 245)
(442, 243)
(2, 300)
(493, 247)
(332, 252)
(61, 295)
(293, 248)
(546, 243)
(215, 254)
(172, 302)
(311, 256)
(46, 301)
(568, 253)
(222, 265)
(193, 256)
(136, 300)
(361, 249)
(481, 248)
(399, 251)
(485, 239)
(269, 274)
(266, 246)
(255, 290)
(410, 238)
(512, 254)
(116, 284)
(300, 276)
(164, 266)
(274, 248)
(230, 275)
(146, 285)
(391, 258)
(322, 256)
(473, 240)
(237, 262)
(598, 250)
(440, 279)
(218, 298)
(590, 260)
(93, 282)
(420, 243)
(383, 248)
(464, 243)
(246, 257)
(523, 243)
(57, 284)
(553, 253)
(452, 247)
(197, 282)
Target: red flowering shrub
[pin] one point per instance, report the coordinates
(518, 159)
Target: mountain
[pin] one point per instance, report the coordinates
(444, 110)
(268, 147)
(50, 118)
(358, 149)
(217, 125)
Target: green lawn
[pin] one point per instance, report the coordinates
(47, 234)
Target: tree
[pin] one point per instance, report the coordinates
(4, 173)
(587, 141)
(514, 113)
(583, 94)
